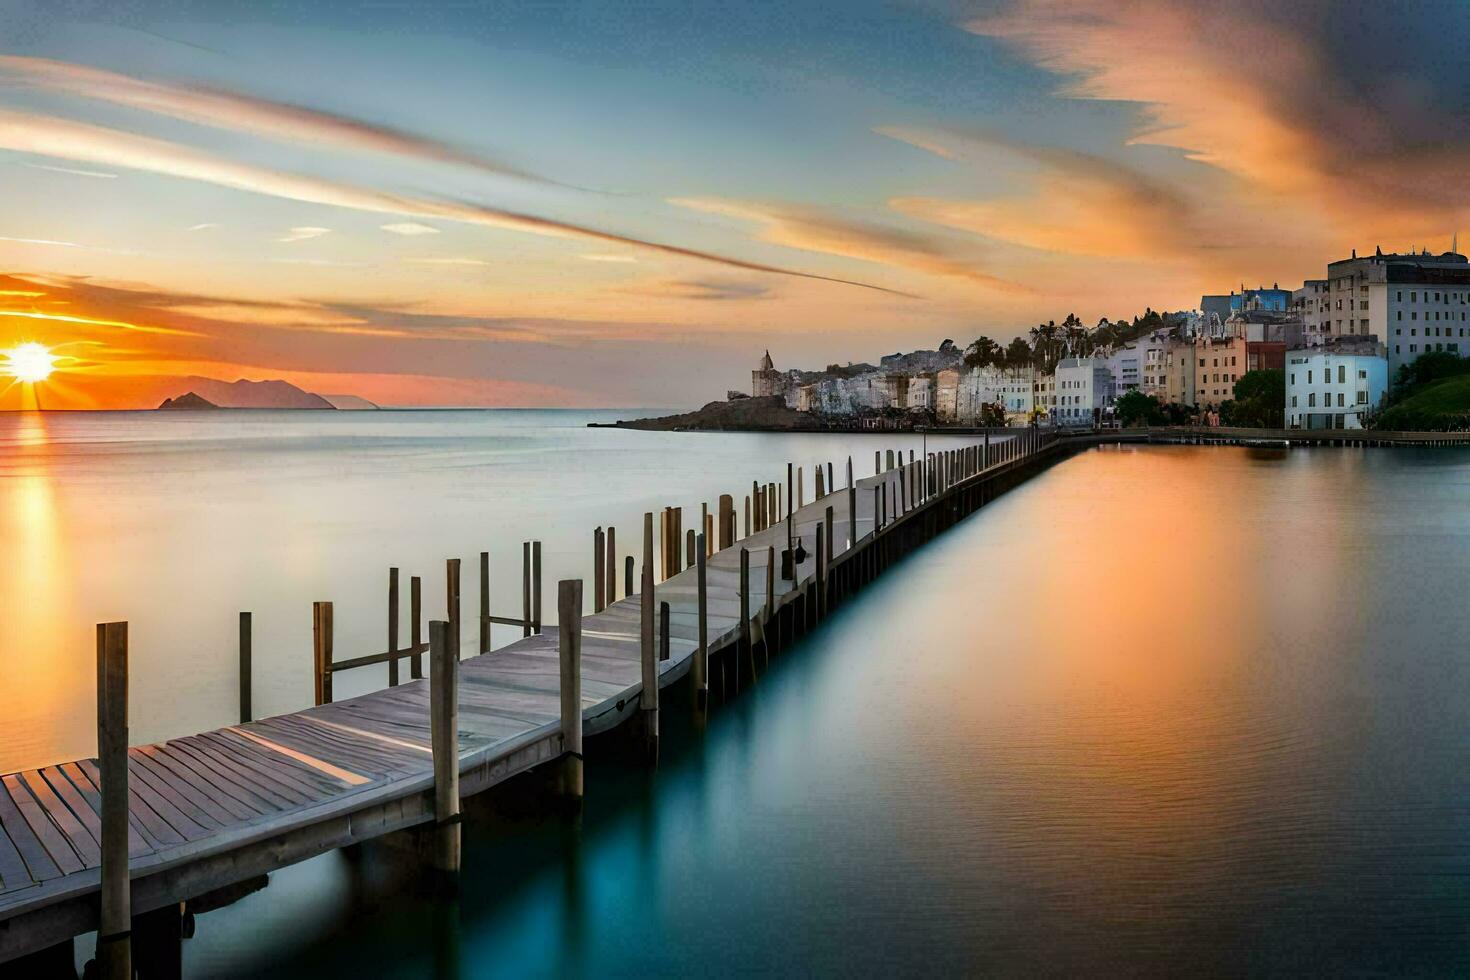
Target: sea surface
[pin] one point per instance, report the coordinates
(1162, 710)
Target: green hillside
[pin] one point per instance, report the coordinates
(1437, 406)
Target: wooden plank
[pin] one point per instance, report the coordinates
(81, 839)
(223, 801)
(301, 784)
(74, 799)
(249, 776)
(32, 851)
(171, 815)
(138, 845)
(63, 856)
(13, 871)
(189, 800)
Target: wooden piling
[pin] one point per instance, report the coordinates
(727, 521)
(484, 646)
(628, 575)
(598, 559)
(536, 587)
(415, 626)
(747, 517)
(610, 575)
(444, 741)
(245, 681)
(663, 631)
(451, 592)
(800, 490)
(648, 697)
(321, 646)
(114, 945)
(700, 667)
(851, 506)
(392, 627)
(690, 538)
(569, 619)
(527, 619)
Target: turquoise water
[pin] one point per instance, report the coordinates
(1180, 710)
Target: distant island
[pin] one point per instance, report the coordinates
(209, 393)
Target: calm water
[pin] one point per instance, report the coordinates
(177, 522)
(1183, 710)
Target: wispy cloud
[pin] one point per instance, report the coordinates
(814, 230)
(203, 226)
(242, 113)
(97, 174)
(917, 140)
(703, 289)
(409, 228)
(304, 233)
(50, 136)
(602, 257)
(448, 260)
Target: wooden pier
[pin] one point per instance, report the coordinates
(209, 812)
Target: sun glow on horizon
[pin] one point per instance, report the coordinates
(29, 363)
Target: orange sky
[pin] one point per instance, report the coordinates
(542, 228)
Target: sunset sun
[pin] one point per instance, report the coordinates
(29, 362)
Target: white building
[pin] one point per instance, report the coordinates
(1009, 388)
(1084, 387)
(1416, 302)
(1334, 385)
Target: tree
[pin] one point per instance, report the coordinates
(983, 353)
(1260, 400)
(1018, 354)
(1136, 408)
(1431, 366)
(992, 414)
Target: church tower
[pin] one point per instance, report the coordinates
(765, 380)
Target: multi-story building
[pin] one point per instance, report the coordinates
(1043, 398)
(921, 393)
(1133, 366)
(1180, 373)
(1310, 304)
(1010, 388)
(766, 380)
(1416, 302)
(1219, 363)
(947, 394)
(1260, 298)
(1336, 384)
(1084, 387)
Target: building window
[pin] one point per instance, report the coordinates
(1339, 400)
(1413, 348)
(1311, 399)
(1341, 374)
(1362, 398)
(1398, 314)
(1293, 401)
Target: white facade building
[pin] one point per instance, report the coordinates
(1084, 387)
(1333, 386)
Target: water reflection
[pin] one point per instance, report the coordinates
(1183, 711)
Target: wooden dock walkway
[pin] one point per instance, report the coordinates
(211, 810)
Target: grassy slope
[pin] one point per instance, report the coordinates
(1440, 404)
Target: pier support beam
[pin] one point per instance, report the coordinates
(321, 647)
(444, 737)
(569, 618)
(416, 626)
(393, 627)
(245, 681)
(610, 575)
(451, 592)
(114, 942)
(700, 667)
(598, 563)
(648, 697)
(484, 646)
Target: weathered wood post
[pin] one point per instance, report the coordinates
(747, 517)
(709, 535)
(690, 539)
(536, 587)
(527, 620)
(392, 627)
(800, 490)
(700, 668)
(648, 698)
(663, 631)
(451, 592)
(245, 682)
(770, 606)
(484, 646)
(821, 569)
(628, 575)
(877, 513)
(851, 506)
(727, 521)
(114, 945)
(444, 740)
(569, 618)
(321, 646)
(598, 558)
(415, 626)
(744, 601)
(877, 461)
(610, 575)
(817, 488)
(829, 476)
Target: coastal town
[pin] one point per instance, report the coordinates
(1326, 355)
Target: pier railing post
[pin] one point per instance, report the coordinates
(569, 619)
(245, 681)
(648, 697)
(392, 627)
(727, 521)
(663, 631)
(690, 539)
(444, 740)
(744, 599)
(851, 507)
(416, 626)
(628, 575)
(598, 563)
(114, 945)
(610, 567)
(536, 587)
(484, 646)
(528, 621)
(321, 647)
(451, 602)
(701, 652)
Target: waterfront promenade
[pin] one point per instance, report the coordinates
(210, 811)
